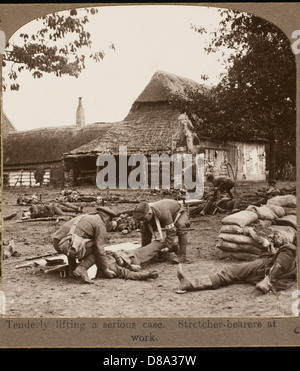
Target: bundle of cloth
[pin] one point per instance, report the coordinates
(258, 231)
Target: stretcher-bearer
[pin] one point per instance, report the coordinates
(168, 214)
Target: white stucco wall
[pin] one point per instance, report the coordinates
(247, 160)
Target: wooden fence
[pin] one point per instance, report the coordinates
(24, 178)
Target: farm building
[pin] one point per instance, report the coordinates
(153, 127)
(67, 155)
(7, 126)
(26, 151)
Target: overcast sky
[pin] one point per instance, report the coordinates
(146, 38)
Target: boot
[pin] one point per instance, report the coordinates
(267, 283)
(187, 284)
(81, 270)
(175, 248)
(182, 248)
(72, 265)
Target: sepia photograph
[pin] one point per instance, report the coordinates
(148, 173)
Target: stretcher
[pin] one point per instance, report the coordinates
(58, 263)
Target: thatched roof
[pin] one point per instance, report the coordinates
(163, 84)
(147, 130)
(6, 126)
(151, 126)
(47, 145)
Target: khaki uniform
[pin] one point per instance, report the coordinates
(280, 270)
(221, 185)
(91, 226)
(172, 216)
(140, 257)
(253, 272)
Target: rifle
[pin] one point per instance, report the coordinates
(35, 261)
(42, 256)
(45, 219)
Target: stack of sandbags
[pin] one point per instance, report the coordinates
(239, 245)
(251, 243)
(232, 240)
(249, 234)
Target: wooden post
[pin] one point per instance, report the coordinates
(20, 176)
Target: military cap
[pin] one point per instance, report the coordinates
(141, 211)
(106, 210)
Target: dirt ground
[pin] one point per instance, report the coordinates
(30, 294)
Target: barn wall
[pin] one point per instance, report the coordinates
(17, 175)
(251, 161)
(240, 160)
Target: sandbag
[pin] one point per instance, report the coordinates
(235, 229)
(289, 220)
(231, 246)
(278, 210)
(284, 201)
(290, 211)
(263, 212)
(239, 239)
(241, 218)
(286, 231)
(243, 256)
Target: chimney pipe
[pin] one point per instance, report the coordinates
(80, 117)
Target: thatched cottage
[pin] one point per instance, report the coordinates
(7, 126)
(68, 154)
(153, 127)
(26, 151)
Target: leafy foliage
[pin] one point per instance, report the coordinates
(256, 98)
(54, 48)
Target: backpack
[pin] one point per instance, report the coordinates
(74, 242)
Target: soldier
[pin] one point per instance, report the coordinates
(125, 264)
(91, 228)
(52, 209)
(221, 184)
(168, 214)
(276, 272)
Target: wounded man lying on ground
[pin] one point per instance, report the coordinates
(51, 209)
(275, 272)
(125, 264)
(75, 196)
(28, 200)
(88, 246)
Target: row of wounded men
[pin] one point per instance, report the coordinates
(84, 237)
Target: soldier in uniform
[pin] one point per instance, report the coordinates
(91, 227)
(168, 214)
(221, 184)
(275, 272)
(124, 264)
(52, 209)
